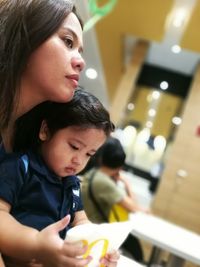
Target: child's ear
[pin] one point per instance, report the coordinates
(44, 131)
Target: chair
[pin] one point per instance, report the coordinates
(118, 214)
(131, 246)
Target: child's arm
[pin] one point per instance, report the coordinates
(80, 218)
(25, 243)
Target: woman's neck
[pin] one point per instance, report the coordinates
(29, 96)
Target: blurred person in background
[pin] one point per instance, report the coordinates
(100, 190)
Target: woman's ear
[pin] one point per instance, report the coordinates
(44, 131)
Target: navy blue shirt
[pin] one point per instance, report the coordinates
(2, 151)
(37, 196)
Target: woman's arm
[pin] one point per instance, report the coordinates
(14, 236)
(1, 262)
(127, 186)
(129, 202)
(46, 247)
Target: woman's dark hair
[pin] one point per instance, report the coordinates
(84, 111)
(112, 154)
(24, 26)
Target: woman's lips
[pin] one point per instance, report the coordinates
(73, 79)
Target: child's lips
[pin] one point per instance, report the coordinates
(70, 170)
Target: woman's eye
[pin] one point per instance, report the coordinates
(69, 42)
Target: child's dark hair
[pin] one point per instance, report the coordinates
(112, 154)
(84, 111)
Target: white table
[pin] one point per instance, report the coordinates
(182, 244)
(126, 262)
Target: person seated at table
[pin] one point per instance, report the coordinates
(100, 190)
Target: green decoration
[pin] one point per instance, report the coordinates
(98, 12)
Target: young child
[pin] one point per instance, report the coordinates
(53, 142)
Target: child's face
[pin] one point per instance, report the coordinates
(68, 150)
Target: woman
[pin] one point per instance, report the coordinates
(40, 59)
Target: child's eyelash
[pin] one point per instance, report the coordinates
(90, 155)
(74, 147)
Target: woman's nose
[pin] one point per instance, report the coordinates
(78, 62)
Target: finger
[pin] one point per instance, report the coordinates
(34, 263)
(110, 259)
(60, 225)
(108, 263)
(74, 249)
(113, 255)
(78, 262)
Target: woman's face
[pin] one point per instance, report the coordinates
(54, 68)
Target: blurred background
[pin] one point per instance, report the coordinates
(142, 62)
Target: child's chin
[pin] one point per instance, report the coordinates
(69, 173)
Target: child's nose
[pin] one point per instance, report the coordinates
(76, 160)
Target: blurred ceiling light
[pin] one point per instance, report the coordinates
(149, 98)
(155, 94)
(129, 134)
(179, 18)
(176, 49)
(118, 132)
(130, 106)
(149, 124)
(164, 85)
(159, 142)
(91, 73)
(176, 120)
(152, 112)
(143, 136)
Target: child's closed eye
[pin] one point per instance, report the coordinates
(89, 155)
(74, 147)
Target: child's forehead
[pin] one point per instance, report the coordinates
(84, 128)
(87, 131)
(88, 136)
